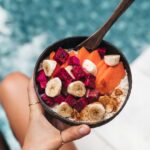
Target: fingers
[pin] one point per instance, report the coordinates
(36, 107)
(59, 124)
(74, 133)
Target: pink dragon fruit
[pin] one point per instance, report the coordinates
(61, 56)
(90, 81)
(59, 99)
(64, 76)
(80, 104)
(78, 72)
(41, 76)
(47, 100)
(70, 100)
(42, 81)
(92, 95)
(42, 86)
(102, 51)
(73, 60)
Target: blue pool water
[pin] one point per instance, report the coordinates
(28, 26)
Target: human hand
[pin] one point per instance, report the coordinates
(41, 134)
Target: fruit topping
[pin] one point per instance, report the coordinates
(89, 66)
(94, 57)
(83, 54)
(49, 67)
(110, 78)
(73, 60)
(78, 72)
(112, 60)
(76, 88)
(64, 110)
(102, 52)
(68, 69)
(90, 81)
(64, 76)
(51, 56)
(49, 101)
(80, 104)
(53, 87)
(71, 100)
(61, 56)
(92, 93)
(59, 99)
(41, 76)
(96, 111)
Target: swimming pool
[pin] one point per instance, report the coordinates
(28, 26)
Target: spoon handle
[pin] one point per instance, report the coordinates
(95, 39)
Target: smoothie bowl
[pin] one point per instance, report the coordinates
(80, 86)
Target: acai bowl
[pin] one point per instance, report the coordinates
(80, 86)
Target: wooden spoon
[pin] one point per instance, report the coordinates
(95, 39)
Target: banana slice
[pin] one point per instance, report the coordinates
(64, 109)
(68, 69)
(49, 67)
(96, 111)
(76, 88)
(112, 60)
(89, 66)
(53, 87)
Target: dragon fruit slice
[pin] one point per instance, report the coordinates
(64, 76)
(78, 72)
(61, 56)
(73, 60)
(42, 86)
(92, 95)
(59, 99)
(70, 100)
(42, 81)
(41, 76)
(56, 70)
(102, 52)
(80, 104)
(90, 81)
(49, 101)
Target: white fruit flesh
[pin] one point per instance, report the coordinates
(89, 66)
(112, 60)
(68, 69)
(76, 88)
(53, 87)
(64, 109)
(49, 67)
(96, 112)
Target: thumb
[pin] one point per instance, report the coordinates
(74, 133)
(35, 106)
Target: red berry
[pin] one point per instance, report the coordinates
(59, 99)
(70, 100)
(47, 100)
(73, 60)
(90, 81)
(80, 104)
(61, 56)
(78, 72)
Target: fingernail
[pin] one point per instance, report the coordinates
(84, 130)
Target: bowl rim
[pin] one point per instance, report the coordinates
(72, 122)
